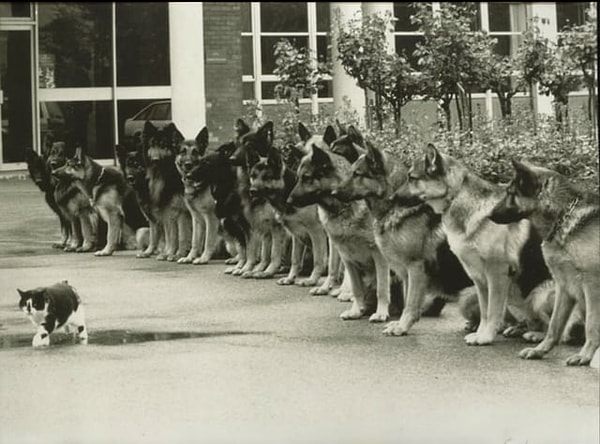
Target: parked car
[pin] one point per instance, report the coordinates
(159, 113)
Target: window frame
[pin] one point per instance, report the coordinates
(256, 34)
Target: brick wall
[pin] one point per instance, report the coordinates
(223, 68)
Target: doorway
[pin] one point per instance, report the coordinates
(16, 86)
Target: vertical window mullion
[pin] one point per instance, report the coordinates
(485, 27)
(256, 36)
(312, 46)
(114, 73)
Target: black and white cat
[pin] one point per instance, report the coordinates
(51, 308)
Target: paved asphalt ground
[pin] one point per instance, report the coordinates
(186, 354)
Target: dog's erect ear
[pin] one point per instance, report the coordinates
(174, 134)
(202, 140)
(241, 128)
(433, 160)
(355, 136)
(22, 293)
(79, 155)
(329, 136)
(320, 158)
(266, 132)
(375, 158)
(303, 132)
(121, 154)
(48, 141)
(149, 129)
(525, 180)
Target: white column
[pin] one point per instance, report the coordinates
(549, 29)
(344, 86)
(188, 97)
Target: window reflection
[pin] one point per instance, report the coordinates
(142, 44)
(132, 115)
(15, 9)
(75, 44)
(88, 123)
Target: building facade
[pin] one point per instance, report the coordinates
(100, 70)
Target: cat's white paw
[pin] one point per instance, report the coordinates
(41, 339)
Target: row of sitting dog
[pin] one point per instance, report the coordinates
(523, 257)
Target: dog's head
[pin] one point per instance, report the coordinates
(433, 178)
(252, 145)
(211, 167)
(73, 168)
(190, 152)
(132, 164)
(160, 145)
(267, 175)
(349, 144)
(56, 154)
(368, 177)
(521, 196)
(317, 174)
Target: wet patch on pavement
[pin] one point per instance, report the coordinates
(115, 337)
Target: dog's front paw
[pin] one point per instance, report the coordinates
(479, 338)
(578, 359)
(395, 328)
(531, 353)
(286, 281)
(263, 274)
(307, 282)
(352, 314)
(514, 331)
(533, 336)
(161, 257)
(202, 260)
(185, 260)
(319, 291)
(232, 260)
(244, 274)
(345, 296)
(41, 340)
(85, 248)
(379, 317)
(103, 252)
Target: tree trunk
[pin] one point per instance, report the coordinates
(446, 101)
(398, 119)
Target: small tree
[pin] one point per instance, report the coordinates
(502, 78)
(298, 71)
(364, 55)
(451, 56)
(551, 66)
(581, 42)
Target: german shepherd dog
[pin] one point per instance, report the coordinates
(72, 202)
(267, 232)
(215, 173)
(42, 176)
(271, 179)
(408, 233)
(199, 201)
(110, 195)
(133, 167)
(165, 188)
(348, 224)
(504, 261)
(569, 220)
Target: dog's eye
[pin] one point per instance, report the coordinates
(306, 177)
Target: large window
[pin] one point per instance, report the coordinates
(83, 89)
(263, 25)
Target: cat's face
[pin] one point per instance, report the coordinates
(33, 301)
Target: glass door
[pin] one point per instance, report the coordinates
(16, 110)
